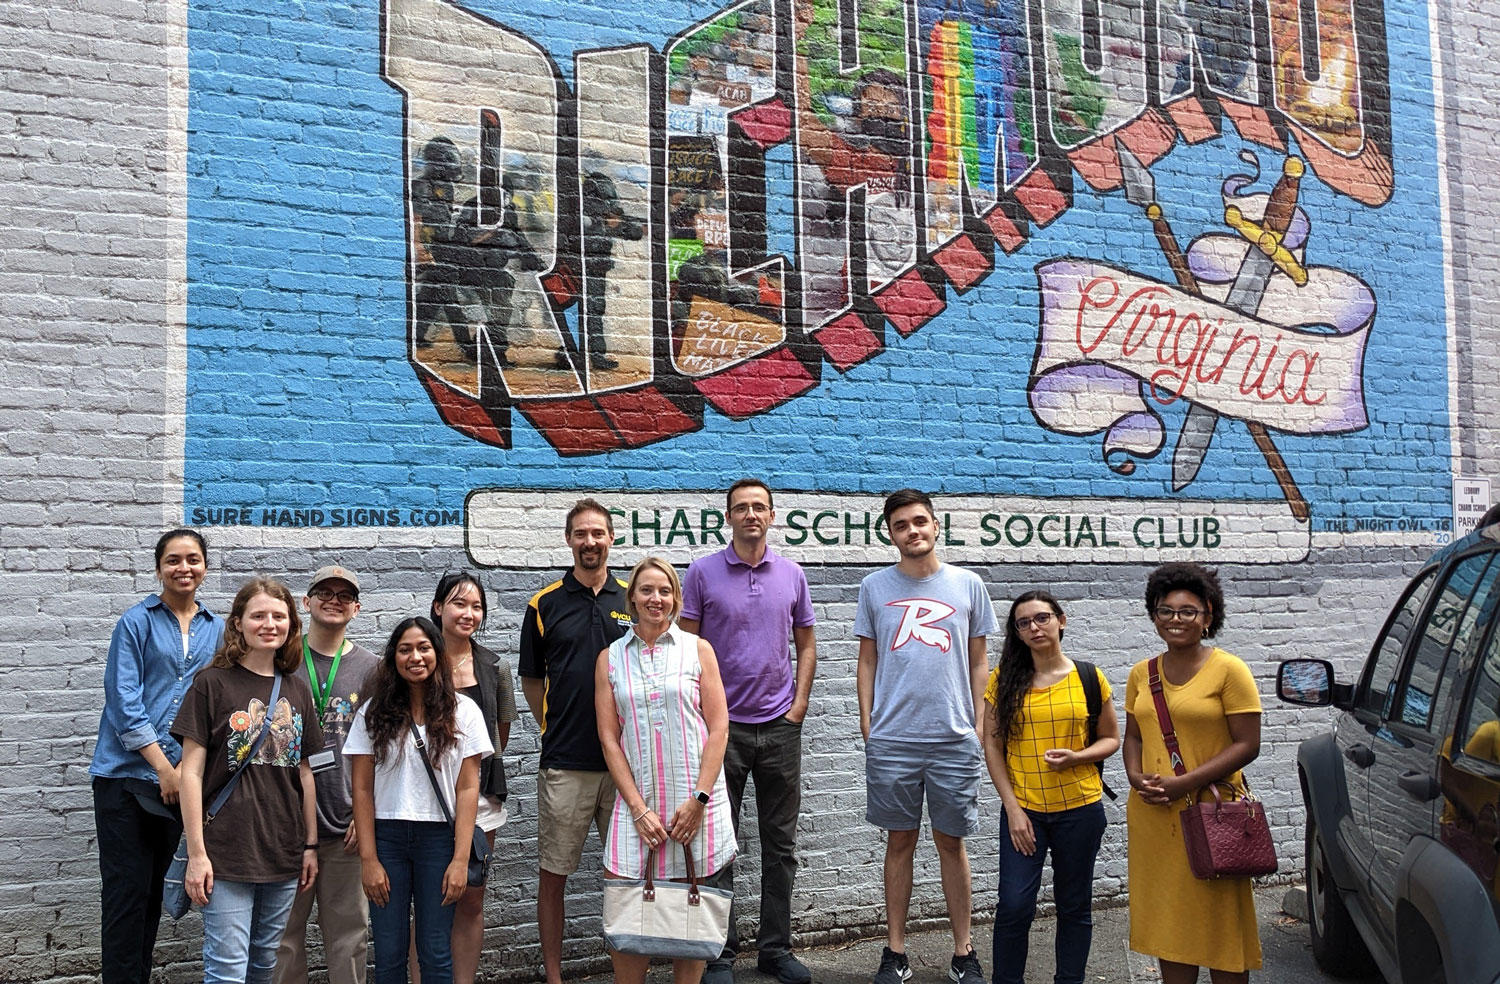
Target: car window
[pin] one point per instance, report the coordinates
(1379, 686)
(1479, 731)
(1449, 623)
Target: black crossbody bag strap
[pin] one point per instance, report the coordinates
(437, 789)
(479, 848)
(234, 777)
(1093, 697)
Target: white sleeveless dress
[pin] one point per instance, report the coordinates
(662, 732)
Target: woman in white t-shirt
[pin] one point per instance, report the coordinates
(413, 860)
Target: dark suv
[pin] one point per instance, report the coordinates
(1403, 797)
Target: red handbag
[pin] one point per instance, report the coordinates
(1226, 838)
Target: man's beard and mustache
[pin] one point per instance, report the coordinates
(918, 549)
(591, 558)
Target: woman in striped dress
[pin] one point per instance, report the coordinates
(664, 724)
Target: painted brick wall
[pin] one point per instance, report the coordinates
(210, 280)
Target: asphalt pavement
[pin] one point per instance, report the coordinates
(1287, 958)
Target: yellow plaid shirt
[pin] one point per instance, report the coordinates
(1054, 717)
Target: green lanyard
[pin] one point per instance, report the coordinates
(322, 690)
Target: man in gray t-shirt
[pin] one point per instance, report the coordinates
(339, 673)
(923, 665)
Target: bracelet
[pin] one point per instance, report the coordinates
(309, 847)
(643, 813)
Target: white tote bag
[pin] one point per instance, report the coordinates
(681, 920)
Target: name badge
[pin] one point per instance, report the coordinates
(322, 761)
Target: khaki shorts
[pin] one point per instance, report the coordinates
(567, 802)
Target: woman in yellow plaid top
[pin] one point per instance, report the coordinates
(1043, 766)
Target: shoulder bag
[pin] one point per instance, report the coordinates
(1227, 838)
(479, 850)
(174, 896)
(681, 920)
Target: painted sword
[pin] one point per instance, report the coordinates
(1266, 254)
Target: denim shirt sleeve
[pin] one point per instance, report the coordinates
(124, 682)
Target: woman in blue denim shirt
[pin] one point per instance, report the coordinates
(158, 646)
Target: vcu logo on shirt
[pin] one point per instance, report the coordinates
(919, 622)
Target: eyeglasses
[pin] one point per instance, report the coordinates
(1040, 619)
(328, 594)
(758, 508)
(1165, 614)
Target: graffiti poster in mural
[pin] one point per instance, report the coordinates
(1117, 280)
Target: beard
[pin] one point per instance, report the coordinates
(914, 552)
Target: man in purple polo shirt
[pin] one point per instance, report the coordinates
(751, 604)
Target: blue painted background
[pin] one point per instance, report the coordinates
(300, 393)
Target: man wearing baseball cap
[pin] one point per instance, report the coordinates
(336, 671)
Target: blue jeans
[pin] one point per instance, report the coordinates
(414, 853)
(242, 925)
(1073, 837)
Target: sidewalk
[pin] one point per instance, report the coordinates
(1284, 943)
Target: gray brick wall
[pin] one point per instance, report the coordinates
(94, 235)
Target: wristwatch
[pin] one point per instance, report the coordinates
(701, 797)
(309, 847)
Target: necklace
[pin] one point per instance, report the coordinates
(460, 664)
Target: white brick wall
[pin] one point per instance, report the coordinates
(92, 259)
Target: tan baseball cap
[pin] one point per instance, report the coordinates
(332, 572)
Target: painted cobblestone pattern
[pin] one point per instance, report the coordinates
(245, 283)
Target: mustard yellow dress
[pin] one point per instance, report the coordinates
(1174, 916)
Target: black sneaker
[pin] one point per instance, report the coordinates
(966, 969)
(893, 968)
(719, 972)
(786, 968)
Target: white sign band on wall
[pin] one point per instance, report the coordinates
(524, 529)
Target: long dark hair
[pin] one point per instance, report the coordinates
(449, 585)
(233, 647)
(1017, 669)
(388, 714)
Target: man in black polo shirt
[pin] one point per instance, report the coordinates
(567, 624)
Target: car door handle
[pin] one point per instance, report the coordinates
(1360, 755)
(1420, 785)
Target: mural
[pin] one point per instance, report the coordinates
(1155, 255)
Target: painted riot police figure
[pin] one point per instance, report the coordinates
(466, 270)
(433, 207)
(604, 221)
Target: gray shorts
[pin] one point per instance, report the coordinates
(898, 772)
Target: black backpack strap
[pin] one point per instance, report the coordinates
(1093, 696)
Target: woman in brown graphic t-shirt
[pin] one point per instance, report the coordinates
(247, 862)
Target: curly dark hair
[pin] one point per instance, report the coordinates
(1195, 578)
(232, 646)
(1017, 669)
(388, 716)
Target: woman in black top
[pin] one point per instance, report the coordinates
(459, 608)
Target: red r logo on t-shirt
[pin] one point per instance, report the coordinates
(919, 622)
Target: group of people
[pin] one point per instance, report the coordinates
(658, 699)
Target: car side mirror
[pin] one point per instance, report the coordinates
(1309, 682)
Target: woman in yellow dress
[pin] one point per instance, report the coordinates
(1186, 922)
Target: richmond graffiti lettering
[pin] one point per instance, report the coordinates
(609, 258)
